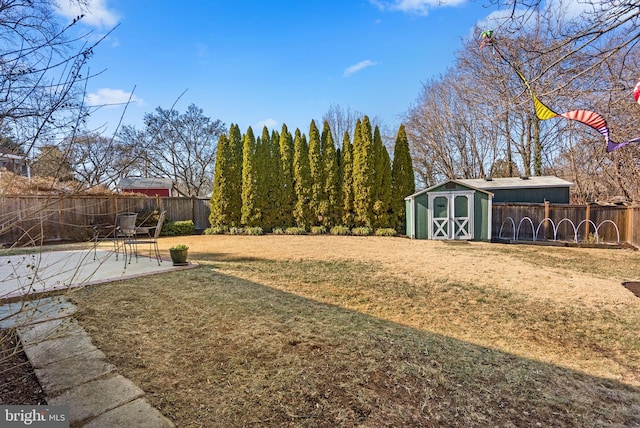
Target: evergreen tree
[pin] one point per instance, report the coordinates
(363, 173)
(382, 183)
(402, 179)
(332, 212)
(250, 208)
(346, 179)
(226, 201)
(286, 178)
(220, 195)
(275, 187)
(302, 178)
(316, 168)
(265, 204)
(235, 176)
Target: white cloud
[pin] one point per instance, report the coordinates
(493, 20)
(562, 10)
(269, 123)
(96, 13)
(359, 66)
(420, 7)
(569, 9)
(111, 97)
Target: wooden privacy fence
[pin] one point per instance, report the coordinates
(35, 219)
(55, 218)
(526, 222)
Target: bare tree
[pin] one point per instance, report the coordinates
(341, 119)
(99, 160)
(42, 73)
(178, 146)
(449, 132)
(587, 27)
(583, 59)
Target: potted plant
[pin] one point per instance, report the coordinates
(179, 254)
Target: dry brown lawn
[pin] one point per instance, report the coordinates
(351, 331)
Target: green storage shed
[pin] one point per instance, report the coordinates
(461, 209)
(450, 210)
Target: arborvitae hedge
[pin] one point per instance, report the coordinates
(302, 181)
(331, 190)
(288, 194)
(286, 182)
(402, 179)
(250, 197)
(219, 197)
(382, 198)
(316, 168)
(346, 181)
(226, 201)
(363, 173)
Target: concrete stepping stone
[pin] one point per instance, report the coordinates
(138, 413)
(48, 330)
(65, 374)
(50, 351)
(21, 314)
(97, 397)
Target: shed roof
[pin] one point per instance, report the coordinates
(145, 183)
(516, 182)
(460, 182)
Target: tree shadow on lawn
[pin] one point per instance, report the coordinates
(222, 257)
(217, 349)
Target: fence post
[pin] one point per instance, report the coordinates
(630, 225)
(193, 209)
(588, 218)
(547, 214)
(61, 220)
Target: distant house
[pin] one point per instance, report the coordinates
(14, 163)
(462, 209)
(146, 186)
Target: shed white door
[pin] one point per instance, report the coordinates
(451, 215)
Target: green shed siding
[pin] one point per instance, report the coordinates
(408, 218)
(422, 216)
(555, 195)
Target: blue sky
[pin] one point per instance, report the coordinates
(256, 62)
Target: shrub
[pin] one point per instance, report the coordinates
(236, 230)
(295, 231)
(340, 230)
(318, 230)
(178, 228)
(277, 231)
(361, 231)
(386, 231)
(216, 230)
(148, 218)
(257, 230)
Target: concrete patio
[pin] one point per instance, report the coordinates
(59, 270)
